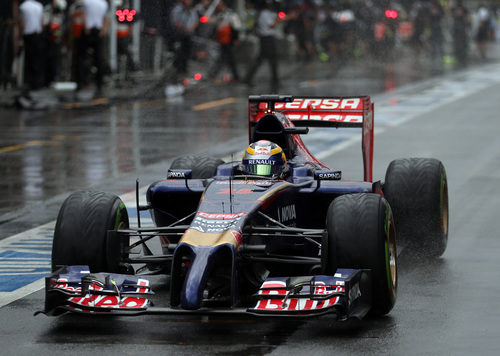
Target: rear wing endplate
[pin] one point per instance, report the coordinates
(321, 112)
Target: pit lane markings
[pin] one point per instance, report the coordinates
(214, 104)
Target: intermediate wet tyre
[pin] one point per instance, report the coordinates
(417, 190)
(81, 232)
(361, 235)
(202, 166)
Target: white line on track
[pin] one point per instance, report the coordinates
(23, 253)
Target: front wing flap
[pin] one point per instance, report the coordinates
(347, 294)
(74, 288)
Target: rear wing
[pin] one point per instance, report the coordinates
(321, 112)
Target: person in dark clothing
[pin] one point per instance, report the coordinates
(31, 27)
(7, 46)
(267, 20)
(184, 21)
(436, 14)
(483, 32)
(96, 25)
(417, 39)
(461, 28)
(228, 26)
(53, 38)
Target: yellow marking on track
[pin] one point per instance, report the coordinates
(93, 102)
(35, 143)
(56, 140)
(73, 105)
(146, 104)
(11, 148)
(213, 104)
(99, 101)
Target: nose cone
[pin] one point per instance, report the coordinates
(202, 250)
(196, 278)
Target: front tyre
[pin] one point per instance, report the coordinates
(361, 235)
(202, 166)
(81, 232)
(417, 190)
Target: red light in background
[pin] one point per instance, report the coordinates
(204, 19)
(281, 15)
(125, 15)
(391, 14)
(197, 76)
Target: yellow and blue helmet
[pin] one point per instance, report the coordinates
(264, 158)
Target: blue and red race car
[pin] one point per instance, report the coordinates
(240, 238)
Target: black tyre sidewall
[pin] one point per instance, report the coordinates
(417, 191)
(83, 222)
(358, 226)
(328, 245)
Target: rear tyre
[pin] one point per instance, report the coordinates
(361, 235)
(417, 190)
(202, 166)
(81, 232)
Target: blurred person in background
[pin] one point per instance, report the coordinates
(54, 22)
(96, 23)
(123, 39)
(76, 22)
(365, 28)
(461, 29)
(184, 22)
(265, 28)
(418, 37)
(483, 31)
(156, 31)
(301, 24)
(436, 14)
(204, 29)
(227, 32)
(7, 33)
(31, 13)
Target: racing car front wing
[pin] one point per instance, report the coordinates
(75, 289)
(346, 294)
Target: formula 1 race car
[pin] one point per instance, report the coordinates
(277, 234)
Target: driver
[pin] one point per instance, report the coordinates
(264, 158)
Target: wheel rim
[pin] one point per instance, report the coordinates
(444, 208)
(392, 253)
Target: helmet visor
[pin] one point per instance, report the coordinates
(260, 169)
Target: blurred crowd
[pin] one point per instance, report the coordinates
(47, 41)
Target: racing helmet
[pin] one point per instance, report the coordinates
(264, 158)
